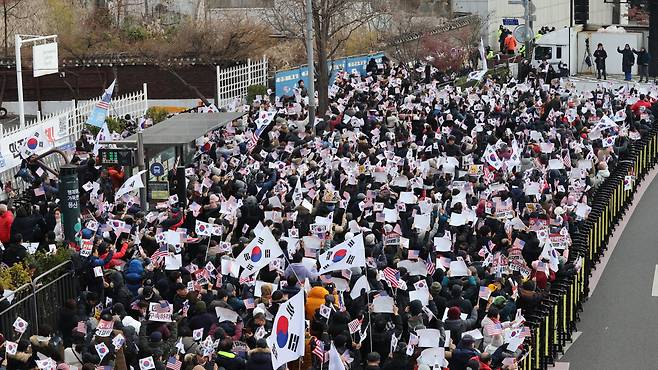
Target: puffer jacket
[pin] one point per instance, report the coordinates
(315, 299)
(133, 276)
(260, 359)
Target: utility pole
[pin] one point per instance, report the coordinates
(311, 68)
(653, 38)
(528, 10)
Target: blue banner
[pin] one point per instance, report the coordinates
(286, 81)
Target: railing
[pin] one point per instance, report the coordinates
(555, 320)
(40, 302)
(232, 82)
(64, 128)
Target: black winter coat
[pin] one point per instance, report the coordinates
(628, 59)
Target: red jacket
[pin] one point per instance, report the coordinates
(5, 226)
(116, 258)
(640, 103)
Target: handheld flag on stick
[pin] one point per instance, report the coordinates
(102, 108)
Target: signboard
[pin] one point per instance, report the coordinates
(116, 157)
(160, 312)
(286, 81)
(44, 59)
(158, 190)
(510, 21)
(56, 133)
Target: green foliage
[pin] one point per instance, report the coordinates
(135, 33)
(254, 90)
(15, 276)
(116, 124)
(43, 262)
(157, 114)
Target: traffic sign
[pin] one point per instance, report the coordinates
(157, 169)
(510, 22)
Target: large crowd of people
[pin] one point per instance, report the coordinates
(418, 224)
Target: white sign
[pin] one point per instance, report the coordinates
(56, 133)
(45, 60)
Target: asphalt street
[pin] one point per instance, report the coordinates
(620, 321)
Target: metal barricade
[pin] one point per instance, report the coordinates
(40, 302)
(555, 320)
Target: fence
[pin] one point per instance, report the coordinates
(62, 128)
(555, 320)
(40, 302)
(232, 83)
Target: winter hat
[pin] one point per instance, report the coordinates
(499, 301)
(435, 288)
(415, 307)
(155, 336)
(87, 234)
(200, 307)
(454, 313)
(467, 339)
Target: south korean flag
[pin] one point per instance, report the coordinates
(262, 250)
(344, 256)
(287, 338)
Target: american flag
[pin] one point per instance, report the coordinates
(319, 349)
(518, 243)
(493, 329)
(413, 254)
(431, 268)
(173, 363)
(354, 325)
(161, 253)
(252, 140)
(341, 302)
(392, 276)
(567, 159)
(249, 303)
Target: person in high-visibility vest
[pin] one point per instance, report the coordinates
(510, 44)
(522, 50)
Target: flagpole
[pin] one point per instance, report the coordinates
(207, 248)
(369, 316)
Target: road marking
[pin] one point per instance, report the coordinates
(561, 366)
(654, 289)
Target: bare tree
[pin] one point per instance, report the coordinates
(8, 10)
(334, 21)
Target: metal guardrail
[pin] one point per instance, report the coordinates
(40, 301)
(555, 320)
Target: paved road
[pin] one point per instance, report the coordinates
(620, 321)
